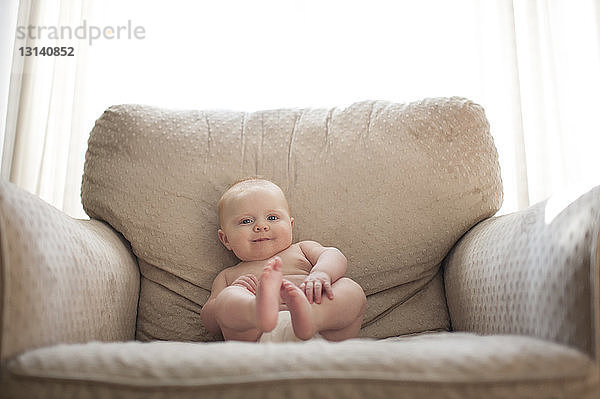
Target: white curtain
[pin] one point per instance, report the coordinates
(45, 137)
(533, 65)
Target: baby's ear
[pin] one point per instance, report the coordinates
(223, 239)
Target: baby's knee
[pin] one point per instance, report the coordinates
(354, 289)
(232, 296)
(350, 284)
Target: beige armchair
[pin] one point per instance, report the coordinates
(460, 303)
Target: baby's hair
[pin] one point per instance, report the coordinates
(240, 185)
(256, 179)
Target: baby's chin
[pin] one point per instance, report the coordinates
(256, 258)
(266, 253)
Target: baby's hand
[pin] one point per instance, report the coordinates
(314, 284)
(248, 281)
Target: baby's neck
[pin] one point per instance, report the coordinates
(268, 257)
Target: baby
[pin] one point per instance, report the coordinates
(305, 278)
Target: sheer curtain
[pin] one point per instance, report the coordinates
(533, 65)
(45, 136)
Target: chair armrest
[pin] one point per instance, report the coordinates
(533, 272)
(62, 280)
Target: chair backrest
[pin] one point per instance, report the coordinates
(393, 186)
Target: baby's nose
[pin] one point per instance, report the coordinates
(261, 227)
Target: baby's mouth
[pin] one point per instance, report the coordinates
(261, 239)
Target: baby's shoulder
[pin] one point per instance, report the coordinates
(307, 242)
(307, 245)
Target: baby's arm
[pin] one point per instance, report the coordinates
(208, 310)
(329, 265)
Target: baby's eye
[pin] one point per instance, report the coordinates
(246, 221)
(272, 217)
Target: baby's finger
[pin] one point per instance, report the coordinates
(318, 291)
(253, 281)
(309, 291)
(242, 283)
(250, 286)
(328, 290)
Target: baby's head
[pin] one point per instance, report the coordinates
(254, 219)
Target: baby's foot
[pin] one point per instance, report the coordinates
(267, 295)
(300, 310)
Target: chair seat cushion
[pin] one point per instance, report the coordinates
(432, 365)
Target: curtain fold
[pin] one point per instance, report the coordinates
(502, 98)
(559, 56)
(42, 125)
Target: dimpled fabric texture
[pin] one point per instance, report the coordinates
(440, 365)
(393, 186)
(532, 272)
(61, 279)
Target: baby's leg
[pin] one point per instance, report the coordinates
(267, 295)
(243, 316)
(344, 315)
(235, 312)
(335, 320)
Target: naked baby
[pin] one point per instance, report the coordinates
(305, 278)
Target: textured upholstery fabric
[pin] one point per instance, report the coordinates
(449, 365)
(533, 272)
(393, 186)
(62, 279)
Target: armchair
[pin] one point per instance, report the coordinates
(460, 303)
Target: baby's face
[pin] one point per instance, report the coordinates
(256, 224)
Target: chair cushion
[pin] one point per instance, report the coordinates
(433, 365)
(393, 186)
